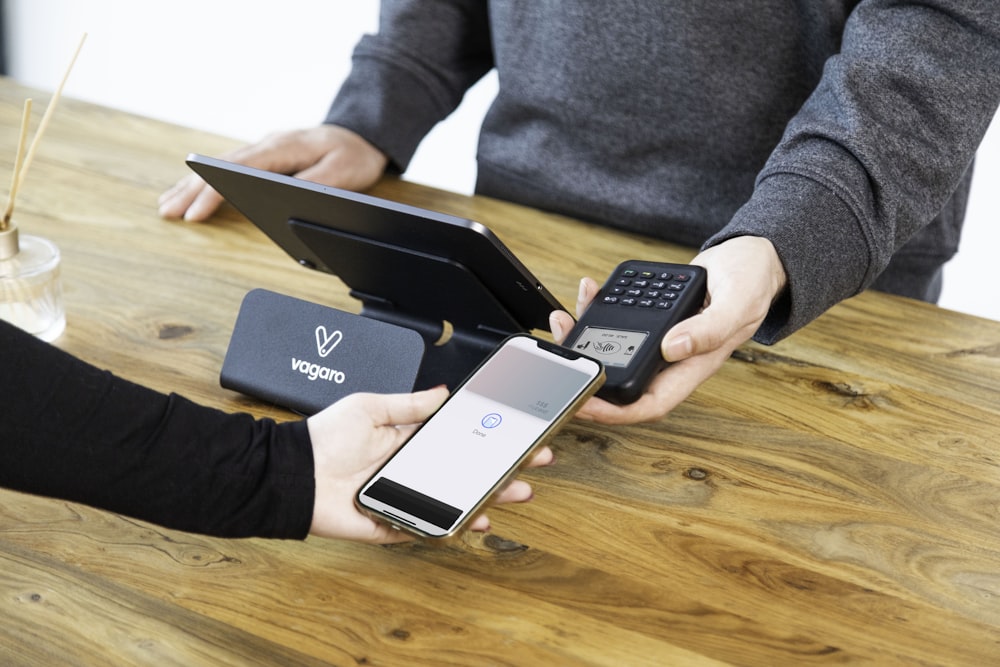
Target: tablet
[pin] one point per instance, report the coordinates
(428, 271)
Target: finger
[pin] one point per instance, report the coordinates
(175, 201)
(204, 205)
(518, 491)
(668, 390)
(384, 534)
(402, 409)
(543, 457)
(172, 191)
(585, 294)
(643, 410)
(560, 323)
(703, 333)
(480, 524)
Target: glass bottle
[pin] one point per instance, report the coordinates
(30, 287)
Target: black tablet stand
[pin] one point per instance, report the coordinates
(412, 289)
(305, 356)
(450, 280)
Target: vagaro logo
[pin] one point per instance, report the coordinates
(317, 372)
(326, 342)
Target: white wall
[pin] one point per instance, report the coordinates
(246, 68)
(240, 68)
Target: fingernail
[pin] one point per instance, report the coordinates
(581, 293)
(679, 348)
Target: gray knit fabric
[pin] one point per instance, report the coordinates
(842, 131)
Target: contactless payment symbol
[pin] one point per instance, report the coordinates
(607, 347)
(325, 342)
(491, 420)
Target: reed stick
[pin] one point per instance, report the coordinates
(43, 125)
(18, 161)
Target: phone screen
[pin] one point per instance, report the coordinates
(484, 430)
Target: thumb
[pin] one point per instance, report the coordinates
(585, 294)
(404, 409)
(699, 334)
(560, 323)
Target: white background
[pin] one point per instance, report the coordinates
(244, 68)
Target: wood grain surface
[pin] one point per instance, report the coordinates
(832, 499)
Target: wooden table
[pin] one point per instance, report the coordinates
(832, 499)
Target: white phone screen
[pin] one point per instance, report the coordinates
(478, 435)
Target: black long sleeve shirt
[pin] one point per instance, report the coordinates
(73, 431)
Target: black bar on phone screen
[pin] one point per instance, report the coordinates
(413, 503)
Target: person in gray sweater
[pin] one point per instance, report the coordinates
(810, 150)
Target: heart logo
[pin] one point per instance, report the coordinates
(326, 342)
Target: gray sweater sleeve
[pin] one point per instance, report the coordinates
(876, 150)
(861, 175)
(413, 73)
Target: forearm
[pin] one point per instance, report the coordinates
(72, 431)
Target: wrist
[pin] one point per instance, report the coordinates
(777, 278)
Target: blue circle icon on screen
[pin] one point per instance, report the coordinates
(492, 420)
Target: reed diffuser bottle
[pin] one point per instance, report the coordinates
(30, 288)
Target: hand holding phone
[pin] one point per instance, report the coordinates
(509, 406)
(623, 326)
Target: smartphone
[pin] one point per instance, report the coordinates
(477, 440)
(624, 324)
